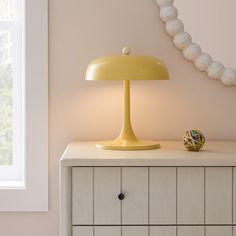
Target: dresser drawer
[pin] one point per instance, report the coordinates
(205, 231)
(152, 195)
(95, 195)
(123, 231)
(154, 231)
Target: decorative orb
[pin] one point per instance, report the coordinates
(228, 77)
(182, 40)
(193, 140)
(126, 51)
(203, 61)
(168, 13)
(192, 51)
(174, 27)
(215, 70)
(162, 3)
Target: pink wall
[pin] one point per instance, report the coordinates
(217, 34)
(80, 30)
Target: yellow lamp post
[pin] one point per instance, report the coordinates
(127, 67)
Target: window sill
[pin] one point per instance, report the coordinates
(12, 184)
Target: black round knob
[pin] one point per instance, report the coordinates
(121, 196)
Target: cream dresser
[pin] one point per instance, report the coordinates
(162, 192)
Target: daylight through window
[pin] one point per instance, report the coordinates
(11, 94)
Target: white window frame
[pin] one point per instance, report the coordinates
(33, 195)
(12, 176)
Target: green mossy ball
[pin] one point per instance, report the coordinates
(193, 140)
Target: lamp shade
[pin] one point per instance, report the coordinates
(126, 67)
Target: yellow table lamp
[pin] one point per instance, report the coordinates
(127, 67)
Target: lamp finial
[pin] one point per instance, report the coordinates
(126, 51)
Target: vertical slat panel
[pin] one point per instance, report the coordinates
(107, 231)
(191, 231)
(162, 195)
(218, 195)
(162, 231)
(65, 201)
(83, 231)
(82, 195)
(219, 231)
(234, 231)
(190, 197)
(134, 231)
(234, 195)
(107, 186)
(135, 188)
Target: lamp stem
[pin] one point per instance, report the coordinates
(127, 133)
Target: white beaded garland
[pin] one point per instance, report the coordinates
(182, 40)
(215, 70)
(192, 51)
(228, 77)
(174, 27)
(162, 3)
(168, 13)
(203, 61)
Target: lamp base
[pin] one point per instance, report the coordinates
(120, 144)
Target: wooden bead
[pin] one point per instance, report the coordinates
(192, 51)
(215, 70)
(168, 13)
(162, 3)
(182, 40)
(228, 77)
(174, 27)
(203, 61)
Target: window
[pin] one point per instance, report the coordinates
(23, 105)
(11, 94)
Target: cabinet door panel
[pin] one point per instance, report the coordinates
(82, 195)
(190, 196)
(234, 195)
(135, 188)
(162, 231)
(162, 197)
(218, 195)
(107, 231)
(135, 231)
(107, 186)
(219, 231)
(83, 231)
(191, 230)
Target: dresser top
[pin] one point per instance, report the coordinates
(170, 154)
